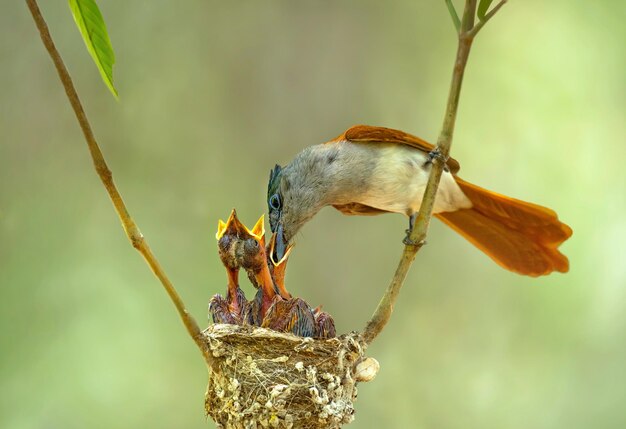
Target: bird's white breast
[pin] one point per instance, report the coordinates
(399, 178)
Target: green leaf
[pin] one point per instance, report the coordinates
(453, 14)
(91, 25)
(483, 7)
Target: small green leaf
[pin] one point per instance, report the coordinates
(453, 15)
(483, 7)
(91, 25)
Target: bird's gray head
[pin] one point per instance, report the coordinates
(295, 193)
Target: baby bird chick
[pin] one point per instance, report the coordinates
(229, 309)
(324, 324)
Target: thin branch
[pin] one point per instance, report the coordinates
(132, 231)
(455, 18)
(383, 312)
(469, 12)
(474, 31)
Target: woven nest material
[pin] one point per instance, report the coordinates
(260, 378)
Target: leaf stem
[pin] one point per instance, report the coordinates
(383, 312)
(455, 18)
(130, 228)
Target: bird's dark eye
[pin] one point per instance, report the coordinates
(275, 202)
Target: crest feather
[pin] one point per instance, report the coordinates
(275, 175)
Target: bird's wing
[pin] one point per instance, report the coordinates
(370, 134)
(354, 209)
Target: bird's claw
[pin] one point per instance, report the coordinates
(410, 242)
(436, 154)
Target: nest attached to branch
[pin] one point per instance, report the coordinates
(259, 378)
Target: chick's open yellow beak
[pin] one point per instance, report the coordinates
(258, 231)
(221, 228)
(229, 225)
(235, 227)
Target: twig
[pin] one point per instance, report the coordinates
(488, 16)
(132, 231)
(382, 314)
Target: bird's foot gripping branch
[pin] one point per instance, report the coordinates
(273, 307)
(275, 361)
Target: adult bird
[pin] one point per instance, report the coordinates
(372, 170)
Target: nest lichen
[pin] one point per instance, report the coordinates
(260, 378)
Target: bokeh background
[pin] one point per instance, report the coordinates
(212, 95)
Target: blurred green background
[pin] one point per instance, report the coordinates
(212, 95)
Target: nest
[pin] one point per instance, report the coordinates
(259, 378)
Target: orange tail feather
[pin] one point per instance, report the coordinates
(521, 237)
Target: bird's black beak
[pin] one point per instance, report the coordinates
(281, 245)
